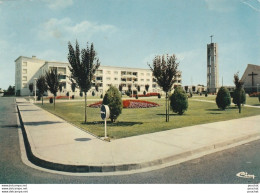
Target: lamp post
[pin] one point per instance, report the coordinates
(35, 79)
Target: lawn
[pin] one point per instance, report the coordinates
(140, 121)
(249, 100)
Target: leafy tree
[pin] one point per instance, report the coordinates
(60, 87)
(179, 101)
(138, 88)
(147, 87)
(165, 71)
(96, 87)
(83, 65)
(120, 88)
(113, 99)
(52, 82)
(223, 98)
(31, 87)
(10, 91)
(73, 87)
(42, 86)
(239, 95)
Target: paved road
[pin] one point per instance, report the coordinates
(217, 168)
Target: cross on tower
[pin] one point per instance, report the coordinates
(252, 74)
(211, 38)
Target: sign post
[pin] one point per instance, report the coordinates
(105, 113)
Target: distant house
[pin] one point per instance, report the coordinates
(251, 78)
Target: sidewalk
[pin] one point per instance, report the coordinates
(55, 144)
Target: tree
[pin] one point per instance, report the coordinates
(96, 87)
(73, 87)
(147, 87)
(31, 87)
(223, 98)
(42, 86)
(60, 87)
(239, 95)
(165, 71)
(179, 101)
(83, 65)
(52, 82)
(113, 99)
(120, 88)
(10, 91)
(138, 88)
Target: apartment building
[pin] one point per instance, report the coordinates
(29, 69)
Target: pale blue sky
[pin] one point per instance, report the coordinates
(131, 32)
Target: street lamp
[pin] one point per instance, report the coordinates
(35, 90)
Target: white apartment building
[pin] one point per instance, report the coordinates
(28, 69)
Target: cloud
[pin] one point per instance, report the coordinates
(221, 5)
(254, 4)
(65, 29)
(58, 4)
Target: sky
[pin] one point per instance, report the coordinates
(131, 33)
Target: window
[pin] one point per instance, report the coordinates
(116, 72)
(24, 85)
(115, 78)
(108, 72)
(147, 74)
(62, 77)
(108, 78)
(154, 85)
(142, 74)
(24, 64)
(99, 78)
(24, 78)
(24, 71)
(142, 80)
(135, 73)
(147, 80)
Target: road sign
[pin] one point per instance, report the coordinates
(105, 113)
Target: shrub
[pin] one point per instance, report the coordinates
(51, 100)
(38, 98)
(67, 94)
(93, 93)
(113, 99)
(136, 96)
(223, 98)
(73, 97)
(81, 94)
(159, 96)
(236, 95)
(206, 94)
(144, 93)
(179, 101)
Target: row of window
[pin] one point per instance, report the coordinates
(99, 72)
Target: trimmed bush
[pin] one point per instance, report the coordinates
(159, 96)
(179, 101)
(223, 98)
(73, 97)
(93, 93)
(236, 95)
(113, 99)
(51, 100)
(67, 94)
(144, 93)
(136, 96)
(81, 94)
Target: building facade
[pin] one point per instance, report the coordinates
(251, 78)
(212, 68)
(29, 69)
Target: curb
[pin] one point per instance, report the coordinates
(127, 167)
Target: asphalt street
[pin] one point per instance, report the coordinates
(217, 168)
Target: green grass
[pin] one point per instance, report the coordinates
(140, 121)
(249, 100)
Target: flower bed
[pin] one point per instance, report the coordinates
(60, 97)
(130, 104)
(254, 94)
(147, 95)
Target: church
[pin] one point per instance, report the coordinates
(251, 78)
